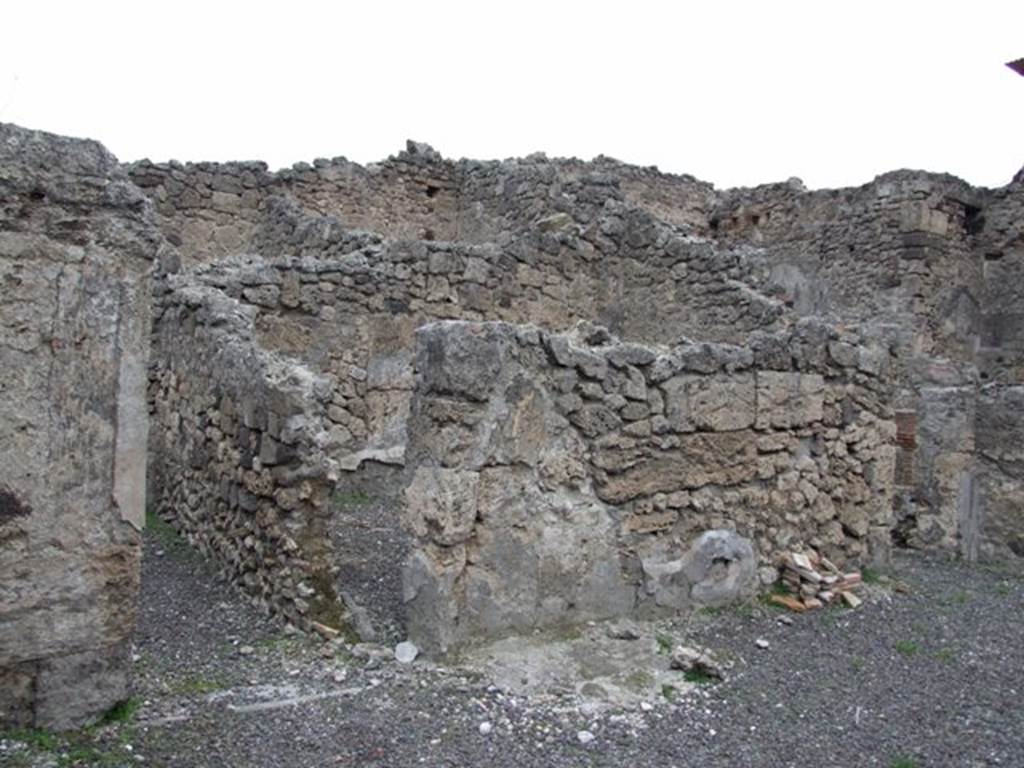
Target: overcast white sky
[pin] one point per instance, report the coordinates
(736, 93)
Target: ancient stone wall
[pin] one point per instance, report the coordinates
(901, 256)
(240, 445)
(559, 478)
(344, 304)
(994, 514)
(210, 210)
(345, 263)
(999, 244)
(77, 241)
(894, 252)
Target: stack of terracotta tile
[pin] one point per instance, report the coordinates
(812, 581)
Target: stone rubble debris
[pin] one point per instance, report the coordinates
(688, 658)
(813, 581)
(325, 631)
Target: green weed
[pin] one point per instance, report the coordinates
(664, 642)
(122, 712)
(870, 576)
(907, 647)
(698, 677)
(163, 532)
(37, 738)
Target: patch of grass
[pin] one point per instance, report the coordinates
(1003, 589)
(698, 677)
(286, 644)
(195, 686)
(834, 612)
(907, 647)
(746, 609)
(73, 749)
(960, 597)
(903, 762)
(669, 692)
(36, 738)
(870, 576)
(352, 498)
(163, 531)
(945, 655)
(122, 712)
(778, 588)
(711, 610)
(664, 642)
(858, 663)
(85, 755)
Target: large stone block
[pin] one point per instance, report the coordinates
(716, 403)
(787, 400)
(460, 361)
(441, 504)
(713, 458)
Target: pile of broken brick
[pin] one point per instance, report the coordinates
(812, 581)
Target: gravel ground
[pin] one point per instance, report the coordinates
(368, 539)
(931, 677)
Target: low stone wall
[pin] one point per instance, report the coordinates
(77, 242)
(560, 478)
(241, 446)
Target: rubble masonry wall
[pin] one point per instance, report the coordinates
(557, 478)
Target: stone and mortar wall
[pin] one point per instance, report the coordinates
(648, 255)
(347, 303)
(343, 305)
(893, 254)
(998, 487)
(992, 502)
(241, 454)
(215, 209)
(999, 244)
(210, 210)
(77, 242)
(556, 478)
(930, 263)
